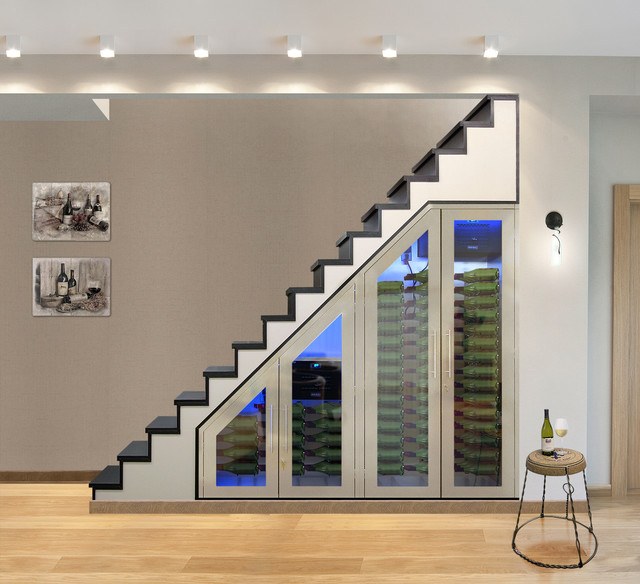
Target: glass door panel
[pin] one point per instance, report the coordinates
(317, 450)
(474, 384)
(239, 441)
(401, 371)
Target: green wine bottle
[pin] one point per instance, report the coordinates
(297, 469)
(390, 440)
(421, 453)
(547, 435)
(478, 289)
(480, 468)
(240, 468)
(481, 330)
(243, 423)
(480, 371)
(420, 467)
(329, 468)
(330, 454)
(390, 426)
(297, 411)
(386, 454)
(390, 357)
(474, 438)
(238, 452)
(392, 300)
(244, 439)
(390, 413)
(392, 328)
(325, 409)
(389, 286)
(484, 453)
(481, 357)
(480, 399)
(390, 468)
(421, 276)
(326, 424)
(481, 385)
(478, 275)
(481, 315)
(327, 438)
(391, 399)
(389, 313)
(476, 343)
(475, 302)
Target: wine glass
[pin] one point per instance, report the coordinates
(561, 427)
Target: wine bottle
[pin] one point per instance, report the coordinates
(478, 275)
(390, 440)
(390, 468)
(240, 452)
(66, 299)
(473, 438)
(478, 289)
(62, 283)
(481, 343)
(390, 413)
(297, 469)
(421, 453)
(243, 422)
(480, 468)
(390, 399)
(478, 302)
(88, 209)
(298, 441)
(97, 209)
(477, 371)
(421, 467)
(327, 438)
(547, 435)
(481, 357)
(421, 276)
(481, 330)
(244, 439)
(480, 399)
(297, 411)
(394, 454)
(330, 454)
(67, 211)
(326, 424)
(99, 223)
(73, 285)
(330, 468)
(481, 315)
(240, 468)
(393, 287)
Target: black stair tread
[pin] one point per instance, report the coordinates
(163, 425)
(457, 131)
(109, 478)
(248, 345)
(424, 160)
(397, 186)
(304, 290)
(220, 371)
(277, 317)
(191, 398)
(331, 262)
(351, 234)
(380, 207)
(138, 450)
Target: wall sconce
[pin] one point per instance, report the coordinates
(294, 46)
(553, 221)
(201, 46)
(389, 46)
(107, 46)
(12, 46)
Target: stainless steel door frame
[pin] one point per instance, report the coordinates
(428, 221)
(341, 305)
(507, 335)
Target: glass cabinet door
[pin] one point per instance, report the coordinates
(402, 404)
(478, 341)
(240, 445)
(317, 411)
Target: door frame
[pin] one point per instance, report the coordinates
(624, 196)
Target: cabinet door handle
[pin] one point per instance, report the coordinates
(435, 354)
(271, 426)
(449, 363)
(286, 428)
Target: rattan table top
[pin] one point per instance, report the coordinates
(571, 463)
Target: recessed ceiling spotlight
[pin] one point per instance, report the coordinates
(201, 46)
(107, 46)
(12, 46)
(294, 46)
(389, 46)
(491, 46)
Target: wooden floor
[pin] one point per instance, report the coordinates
(48, 536)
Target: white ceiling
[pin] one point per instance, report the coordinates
(454, 27)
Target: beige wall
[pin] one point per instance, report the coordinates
(217, 207)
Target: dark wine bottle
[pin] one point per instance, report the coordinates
(240, 468)
(62, 283)
(478, 302)
(329, 454)
(327, 438)
(99, 223)
(73, 285)
(242, 452)
(88, 209)
(330, 468)
(67, 211)
(243, 439)
(97, 209)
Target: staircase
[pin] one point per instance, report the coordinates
(477, 161)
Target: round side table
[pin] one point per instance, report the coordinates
(557, 466)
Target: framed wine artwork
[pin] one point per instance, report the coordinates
(71, 287)
(71, 211)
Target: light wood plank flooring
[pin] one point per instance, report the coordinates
(48, 536)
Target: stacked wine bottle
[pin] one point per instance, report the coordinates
(477, 405)
(316, 438)
(241, 447)
(402, 375)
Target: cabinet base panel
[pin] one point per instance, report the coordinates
(330, 506)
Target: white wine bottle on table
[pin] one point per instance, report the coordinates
(547, 435)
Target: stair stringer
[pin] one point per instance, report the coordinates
(484, 170)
